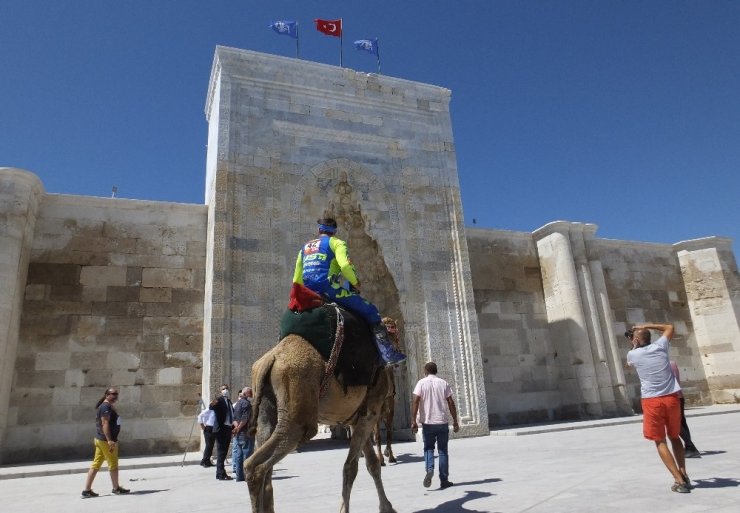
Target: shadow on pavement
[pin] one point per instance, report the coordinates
(279, 478)
(711, 453)
(147, 492)
(409, 458)
(322, 444)
(478, 482)
(716, 482)
(456, 505)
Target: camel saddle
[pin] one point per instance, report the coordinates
(311, 318)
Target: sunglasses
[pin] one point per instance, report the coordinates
(112, 393)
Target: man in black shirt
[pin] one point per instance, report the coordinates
(224, 411)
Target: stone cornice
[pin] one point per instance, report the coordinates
(721, 243)
(119, 203)
(215, 74)
(496, 233)
(229, 54)
(588, 229)
(228, 59)
(618, 243)
(22, 175)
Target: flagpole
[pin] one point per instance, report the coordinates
(341, 37)
(377, 52)
(297, 53)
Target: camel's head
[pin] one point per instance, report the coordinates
(392, 327)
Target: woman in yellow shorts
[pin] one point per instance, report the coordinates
(108, 425)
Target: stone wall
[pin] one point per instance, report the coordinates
(553, 306)
(519, 360)
(645, 284)
(21, 193)
(712, 285)
(114, 297)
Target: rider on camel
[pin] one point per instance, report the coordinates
(323, 265)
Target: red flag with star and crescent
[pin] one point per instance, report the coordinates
(329, 27)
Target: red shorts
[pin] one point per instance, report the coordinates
(661, 415)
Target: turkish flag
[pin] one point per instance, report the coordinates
(329, 27)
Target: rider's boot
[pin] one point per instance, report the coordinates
(388, 353)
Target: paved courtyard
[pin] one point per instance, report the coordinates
(602, 466)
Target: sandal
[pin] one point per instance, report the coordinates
(679, 487)
(687, 481)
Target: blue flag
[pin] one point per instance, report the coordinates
(285, 28)
(369, 45)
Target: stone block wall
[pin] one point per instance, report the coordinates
(645, 284)
(553, 346)
(712, 285)
(519, 358)
(113, 297)
(21, 193)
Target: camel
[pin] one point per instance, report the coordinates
(287, 408)
(389, 405)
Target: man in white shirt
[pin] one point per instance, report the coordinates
(207, 419)
(432, 398)
(661, 408)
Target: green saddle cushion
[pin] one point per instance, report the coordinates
(316, 326)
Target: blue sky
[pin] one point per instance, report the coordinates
(621, 113)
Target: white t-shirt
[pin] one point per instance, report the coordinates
(434, 392)
(207, 417)
(654, 368)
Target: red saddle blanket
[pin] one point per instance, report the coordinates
(302, 298)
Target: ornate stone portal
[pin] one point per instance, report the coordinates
(291, 141)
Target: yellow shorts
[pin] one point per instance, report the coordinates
(103, 453)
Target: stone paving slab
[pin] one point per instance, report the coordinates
(605, 470)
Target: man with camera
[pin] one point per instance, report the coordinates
(661, 407)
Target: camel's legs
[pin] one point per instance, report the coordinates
(258, 468)
(360, 437)
(361, 443)
(378, 442)
(373, 467)
(389, 431)
(288, 426)
(258, 482)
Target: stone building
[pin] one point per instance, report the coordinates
(167, 301)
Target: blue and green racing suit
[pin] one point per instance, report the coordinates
(323, 265)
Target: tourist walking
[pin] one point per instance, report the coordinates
(432, 399)
(107, 426)
(661, 408)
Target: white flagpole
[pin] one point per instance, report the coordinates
(377, 53)
(341, 37)
(297, 53)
